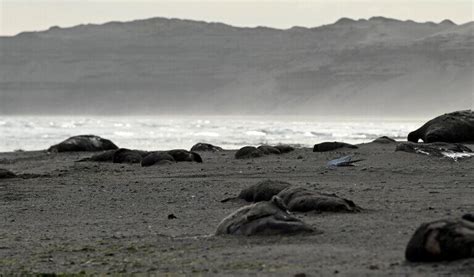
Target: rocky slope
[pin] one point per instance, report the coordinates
(378, 66)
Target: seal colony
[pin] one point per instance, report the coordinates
(285, 212)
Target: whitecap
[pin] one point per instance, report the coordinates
(255, 133)
(124, 134)
(206, 134)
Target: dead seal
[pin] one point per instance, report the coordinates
(435, 149)
(181, 155)
(451, 127)
(5, 173)
(248, 152)
(330, 146)
(106, 156)
(284, 148)
(299, 199)
(124, 155)
(205, 147)
(263, 218)
(442, 240)
(261, 191)
(157, 158)
(83, 143)
(384, 140)
(267, 150)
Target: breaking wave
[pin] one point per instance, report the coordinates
(161, 132)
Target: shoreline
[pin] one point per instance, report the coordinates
(100, 218)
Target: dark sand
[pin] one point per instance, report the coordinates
(113, 218)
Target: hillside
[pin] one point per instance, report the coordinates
(378, 66)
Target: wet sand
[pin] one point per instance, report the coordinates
(63, 216)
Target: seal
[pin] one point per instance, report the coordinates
(267, 150)
(330, 146)
(248, 152)
(299, 199)
(442, 240)
(261, 191)
(384, 140)
(451, 127)
(158, 158)
(124, 155)
(205, 147)
(263, 218)
(284, 148)
(106, 156)
(181, 155)
(4, 174)
(435, 149)
(83, 143)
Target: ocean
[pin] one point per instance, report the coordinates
(169, 132)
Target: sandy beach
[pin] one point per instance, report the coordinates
(63, 216)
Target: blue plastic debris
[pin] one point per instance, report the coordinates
(343, 161)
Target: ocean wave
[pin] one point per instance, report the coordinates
(159, 133)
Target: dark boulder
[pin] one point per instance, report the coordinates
(435, 149)
(299, 199)
(263, 218)
(384, 140)
(442, 240)
(248, 152)
(330, 146)
(205, 147)
(267, 150)
(450, 127)
(4, 173)
(284, 148)
(158, 158)
(261, 191)
(83, 143)
(124, 155)
(181, 155)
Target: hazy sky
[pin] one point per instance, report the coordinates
(28, 15)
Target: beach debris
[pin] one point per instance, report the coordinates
(299, 199)
(267, 150)
(284, 148)
(384, 140)
(261, 191)
(343, 161)
(436, 149)
(442, 240)
(451, 127)
(263, 218)
(5, 173)
(83, 143)
(248, 152)
(157, 158)
(181, 155)
(205, 147)
(330, 146)
(172, 216)
(124, 155)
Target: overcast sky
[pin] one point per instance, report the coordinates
(30, 15)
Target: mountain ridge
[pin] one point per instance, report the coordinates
(367, 66)
(343, 20)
